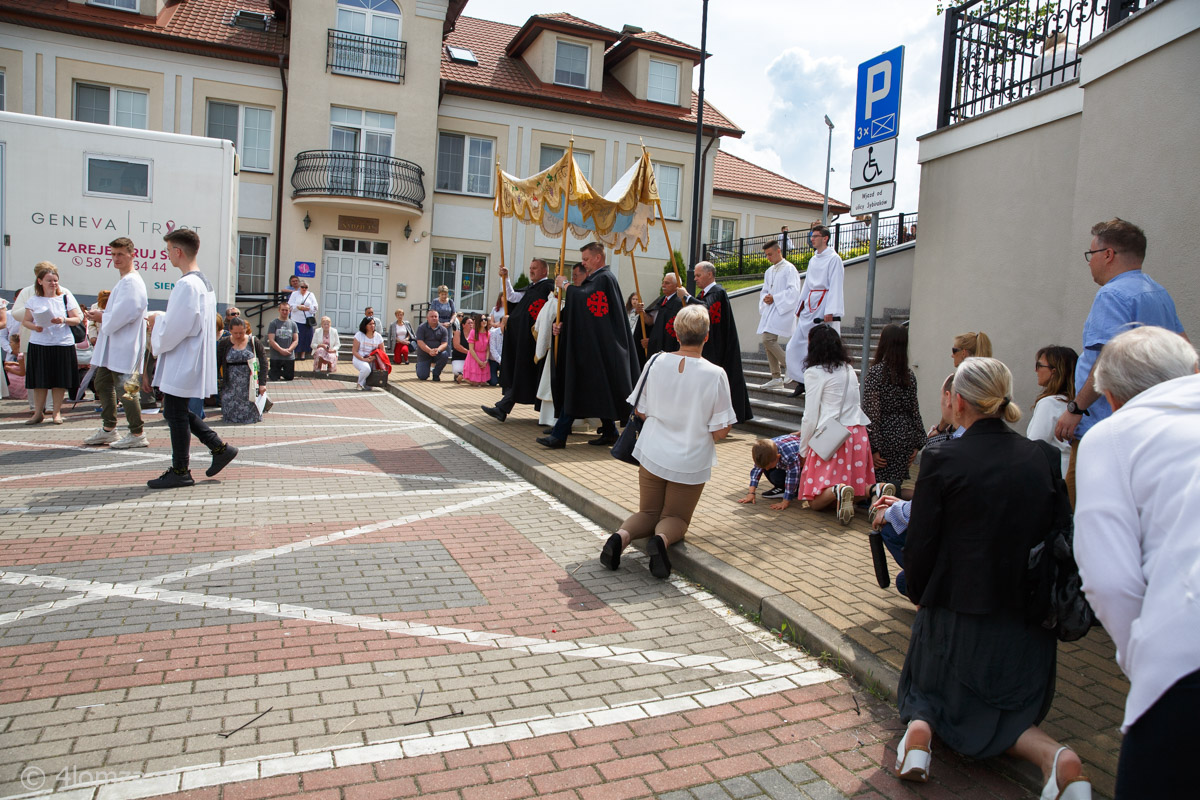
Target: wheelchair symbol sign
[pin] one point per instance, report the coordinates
(873, 164)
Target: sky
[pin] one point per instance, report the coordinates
(779, 66)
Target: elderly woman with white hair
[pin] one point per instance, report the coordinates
(684, 401)
(977, 672)
(1138, 490)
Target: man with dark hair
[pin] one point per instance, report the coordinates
(596, 344)
(723, 347)
(185, 344)
(777, 311)
(821, 300)
(521, 375)
(283, 337)
(1126, 295)
(785, 241)
(119, 347)
(433, 341)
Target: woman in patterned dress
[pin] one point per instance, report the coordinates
(890, 400)
(234, 354)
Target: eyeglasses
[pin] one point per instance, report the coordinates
(955, 350)
(231, 316)
(1040, 365)
(1087, 254)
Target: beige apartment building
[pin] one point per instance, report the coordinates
(369, 131)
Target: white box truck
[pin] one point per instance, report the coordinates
(69, 188)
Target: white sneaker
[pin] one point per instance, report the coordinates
(879, 490)
(130, 441)
(845, 503)
(774, 383)
(101, 437)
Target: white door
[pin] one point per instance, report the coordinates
(355, 272)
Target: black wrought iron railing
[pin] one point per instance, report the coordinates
(343, 174)
(367, 56)
(849, 239)
(995, 52)
(257, 305)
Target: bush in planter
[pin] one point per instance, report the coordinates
(521, 283)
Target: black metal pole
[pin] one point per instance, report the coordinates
(697, 199)
(946, 90)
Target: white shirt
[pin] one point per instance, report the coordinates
(121, 342)
(682, 410)
(185, 339)
(301, 297)
(1137, 479)
(1041, 426)
(830, 396)
(782, 282)
(61, 306)
(363, 347)
(823, 292)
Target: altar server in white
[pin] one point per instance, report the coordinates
(777, 303)
(185, 342)
(821, 300)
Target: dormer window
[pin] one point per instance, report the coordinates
(663, 86)
(124, 5)
(571, 65)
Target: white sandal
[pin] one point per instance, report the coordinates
(1078, 789)
(912, 763)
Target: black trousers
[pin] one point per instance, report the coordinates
(282, 369)
(183, 424)
(1157, 751)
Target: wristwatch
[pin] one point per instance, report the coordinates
(1073, 408)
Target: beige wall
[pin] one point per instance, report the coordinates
(1008, 198)
(68, 72)
(10, 63)
(634, 74)
(542, 51)
(759, 217)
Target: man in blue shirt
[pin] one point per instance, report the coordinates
(1127, 295)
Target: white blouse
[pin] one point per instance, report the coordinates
(62, 306)
(1041, 426)
(363, 347)
(685, 400)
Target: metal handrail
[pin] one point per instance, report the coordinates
(374, 57)
(340, 173)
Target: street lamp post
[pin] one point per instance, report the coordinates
(828, 161)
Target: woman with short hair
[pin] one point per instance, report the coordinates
(365, 343)
(50, 363)
(970, 344)
(444, 306)
(325, 343)
(685, 404)
(1055, 370)
(977, 673)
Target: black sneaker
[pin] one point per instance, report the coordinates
(221, 459)
(171, 479)
(494, 413)
(774, 491)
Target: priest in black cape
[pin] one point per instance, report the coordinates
(723, 347)
(520, 375)
(599, 358)
(660, 317)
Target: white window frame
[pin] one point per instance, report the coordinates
(456, 290)
(148, 198)
(3, 91)
(650, 84)
(122, 5)
(464, 184)
(719, 223)
(113, 91)
(587, 63)
(660, 170)
(239, 142)
(586, 157)
(266, 256)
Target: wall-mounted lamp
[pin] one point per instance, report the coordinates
(407, 230)
(307, 221)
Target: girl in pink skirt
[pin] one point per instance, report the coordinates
(476, 369)
(831, 399)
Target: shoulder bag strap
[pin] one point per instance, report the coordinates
(645, 377)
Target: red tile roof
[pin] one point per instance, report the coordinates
(196, 26)
(650, 40)
(563, 16)
(737, 177)
(505, 78)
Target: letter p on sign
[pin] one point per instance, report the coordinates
(874, 94)
(877, 99)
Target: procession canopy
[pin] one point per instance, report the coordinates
(619, 220)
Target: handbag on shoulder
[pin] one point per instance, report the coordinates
(831, 435)
(623, 449)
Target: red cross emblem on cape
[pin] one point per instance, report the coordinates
(597, 303)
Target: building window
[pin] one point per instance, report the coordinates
(571, 65)
(247, 127)
(465, 164)
(107, 106)
(252, 263)
(125, 5)
(722, 230)
(367, 40)
(366, 139)
(108, 176)
(663, 86)
(669, 179)
(3, 97)
(465, 276)
(551, 154)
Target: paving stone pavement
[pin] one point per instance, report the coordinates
(364, 605)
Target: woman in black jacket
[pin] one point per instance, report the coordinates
(976, 672)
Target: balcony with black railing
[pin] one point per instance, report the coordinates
(365, 56)
(995, 52)
(336, 173)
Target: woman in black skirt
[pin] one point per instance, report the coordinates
(890, 400)
(51, 363)
(976, 672)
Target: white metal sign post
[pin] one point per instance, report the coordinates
(873, 162)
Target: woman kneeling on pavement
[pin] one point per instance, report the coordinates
(977, 673)
(686, 407)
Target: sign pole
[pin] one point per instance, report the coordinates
(866, 351)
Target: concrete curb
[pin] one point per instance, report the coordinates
(729, 583)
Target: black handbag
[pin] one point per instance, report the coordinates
(623, 449)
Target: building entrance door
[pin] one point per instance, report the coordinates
(355, 272)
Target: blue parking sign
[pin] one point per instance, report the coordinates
(877, 101)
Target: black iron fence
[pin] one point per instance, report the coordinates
(850, 239)
(257, 305)
(366, 56)
(995, 52)
(345, 174)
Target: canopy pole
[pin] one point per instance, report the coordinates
(562, 249)
(638, 289)
(670, 251)
(500, 222)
